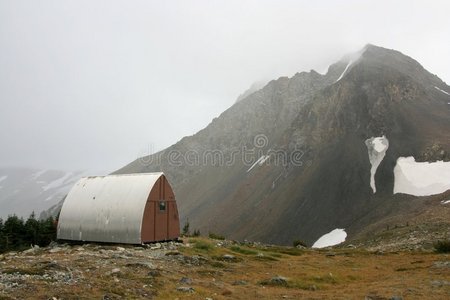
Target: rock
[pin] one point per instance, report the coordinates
(195, 260)
(115, 255)
(396, 298)
(50, 265)
(278, 280)
(441, 264)
(2, 257)
(80, 249)
(146, 265)
(185, 289)
(55, 250)
(228, 257)
(53, 244)
(111, 297)
(226, 293)
(186, 280)
(29, 251)
(239, 282)
(114, 271)
(156, 246)
(439, 283)
(120, 249)
(154, 273)
(374, 297)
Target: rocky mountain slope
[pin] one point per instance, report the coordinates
(23, 190)
(291, 161)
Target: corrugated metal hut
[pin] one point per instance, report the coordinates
(132, 209)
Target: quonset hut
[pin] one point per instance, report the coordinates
(131, 209)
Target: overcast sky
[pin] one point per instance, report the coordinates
(95, 84)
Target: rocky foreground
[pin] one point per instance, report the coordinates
(200, 268)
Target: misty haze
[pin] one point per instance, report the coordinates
(224, 149)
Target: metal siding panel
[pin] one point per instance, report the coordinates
(114, 215)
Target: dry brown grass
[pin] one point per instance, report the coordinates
(310, 274)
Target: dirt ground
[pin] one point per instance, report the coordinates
(211, 269)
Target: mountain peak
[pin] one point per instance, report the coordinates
(326, 121)
(383, 61)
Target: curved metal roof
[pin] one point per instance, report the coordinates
(106, 208)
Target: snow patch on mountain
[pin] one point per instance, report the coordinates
(442, 91)
(332, 238)
(265, 158)
(26, 190)
(421, 178)
(259, 162)
(445, 201)
(58, 182)
(351, 59)
(376, 147)
(345, 70)
(38, 174)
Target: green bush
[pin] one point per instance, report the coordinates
(186, 231)
(201, 245)
(243, 250)
(299, 243)
(216, 236)
(442, 246)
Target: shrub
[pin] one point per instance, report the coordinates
(196, 233)
(442, 246)
(201, 245)
(186, 230)
(296, 243)
(243, 250)
(214, 236)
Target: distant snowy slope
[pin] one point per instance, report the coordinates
(26, 190)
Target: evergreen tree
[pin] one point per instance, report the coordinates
(47, 231)
(32, 230)
(2, 237)
(186, 231)
(14, 230)
(15, 234)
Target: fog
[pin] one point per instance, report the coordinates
(95, 84)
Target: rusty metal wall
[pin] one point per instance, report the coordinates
(161, 225)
